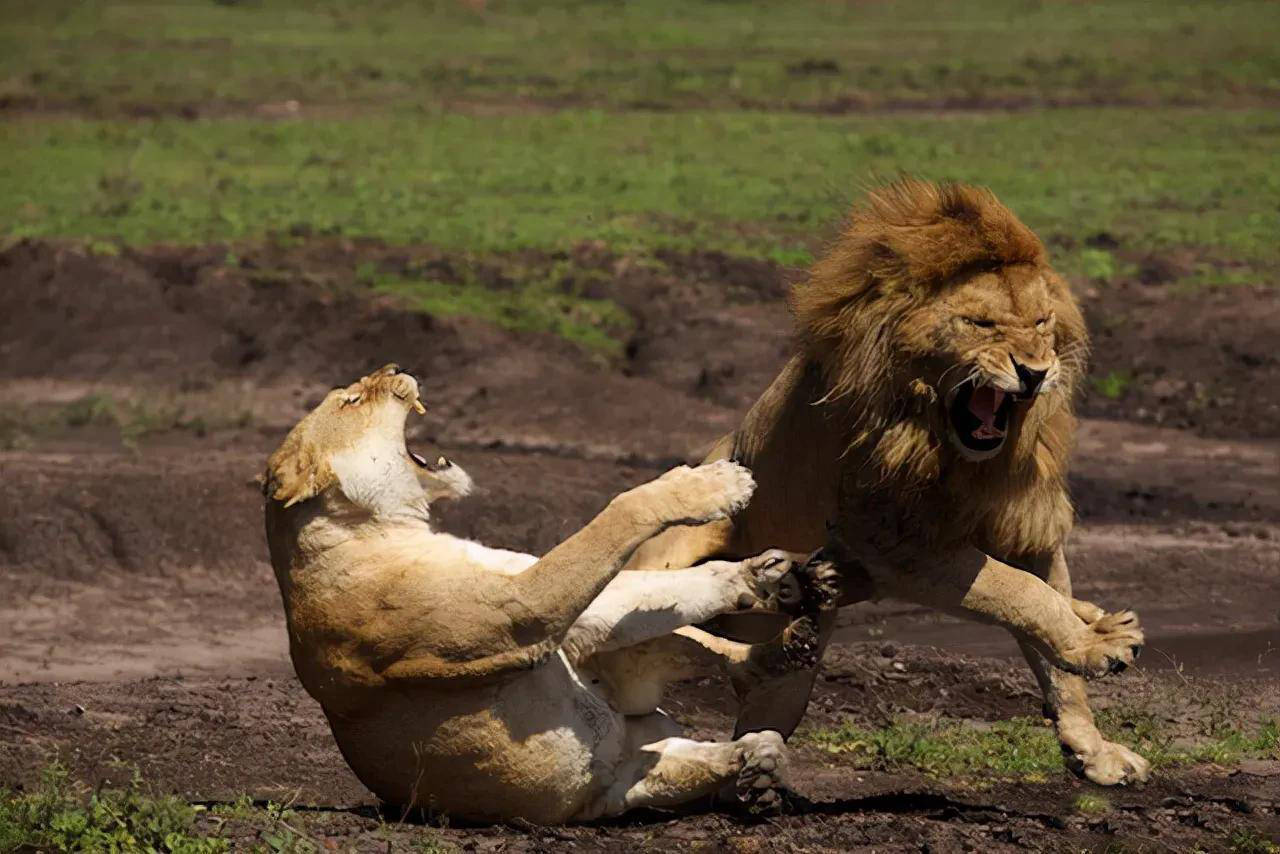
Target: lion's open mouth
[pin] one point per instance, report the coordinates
(980, 416)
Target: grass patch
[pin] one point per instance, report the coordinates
(1245, 841)
(1112, 386)
(64, 815)
(1025, 748)
(1089, 804)
(131, 419)
(754, 184)
(807, 53)
(538, 306)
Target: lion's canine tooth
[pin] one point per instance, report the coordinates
(419, 408)
(442, 462)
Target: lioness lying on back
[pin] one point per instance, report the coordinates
(491, 684)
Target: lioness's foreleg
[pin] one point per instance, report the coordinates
(971, 584)
(638, 605)
(1066, 703)
(519, 620)
(665, 770)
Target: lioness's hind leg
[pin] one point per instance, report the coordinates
(674, 771)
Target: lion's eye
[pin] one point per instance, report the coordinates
(980, 322)
(1042, 322)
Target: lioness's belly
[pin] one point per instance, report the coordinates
(534, 747)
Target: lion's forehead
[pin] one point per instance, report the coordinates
(1010, 294)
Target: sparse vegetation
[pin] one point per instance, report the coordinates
(132, 418)
(1091, 804)
(1111, 385)
(595, 324)
(1244, 841)
(64, 815)
(1025, 748)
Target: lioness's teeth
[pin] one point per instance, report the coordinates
(442, 462)
(419, 408)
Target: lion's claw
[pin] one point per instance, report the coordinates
(1111, 644)
(1110, 765)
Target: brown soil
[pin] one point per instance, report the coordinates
(144, 624)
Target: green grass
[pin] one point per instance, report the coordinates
(772, 185)
(1091, 804)
(594, 324)
(406, 53)
(1024, 748)
(1112, 386)
(63, 815)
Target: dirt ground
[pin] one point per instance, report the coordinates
(141, 621)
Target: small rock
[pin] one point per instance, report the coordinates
(76, 711)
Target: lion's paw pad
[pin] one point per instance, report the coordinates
(762, 779)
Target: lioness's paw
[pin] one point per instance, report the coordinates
(762, 780)
(765, 580)
(695, 496)
(1111, 765)
(1111, 644)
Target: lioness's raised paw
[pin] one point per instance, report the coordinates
(1110, 765)
(695, 496)
(1110, 644)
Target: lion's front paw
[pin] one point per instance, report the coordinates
(707, 493)
(1110, 765)
(1111, 644)
(811, 588)
(1087, 611)
(762, 780)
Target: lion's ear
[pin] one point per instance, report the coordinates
(296, 471)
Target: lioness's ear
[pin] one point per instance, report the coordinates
(295, 473)
(298, 470)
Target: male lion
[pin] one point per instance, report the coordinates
(491, 684)
(927, 419)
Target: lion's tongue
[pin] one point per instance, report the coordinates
(983, 404)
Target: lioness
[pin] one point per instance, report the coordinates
(490, 684)
(924, 426)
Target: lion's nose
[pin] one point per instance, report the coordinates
(1031, 378)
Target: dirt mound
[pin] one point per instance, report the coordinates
(186, 317)
(1206, 362)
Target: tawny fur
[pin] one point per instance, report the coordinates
(487, 683)
(927, 286)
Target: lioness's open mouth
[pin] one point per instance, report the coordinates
(979, 416)
(421, 461)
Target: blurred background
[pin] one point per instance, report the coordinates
(576, 221)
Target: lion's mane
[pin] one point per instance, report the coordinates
(861, 317)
